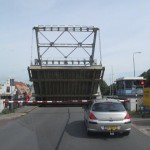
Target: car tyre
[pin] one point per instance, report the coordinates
(126, 133)
(89, 133)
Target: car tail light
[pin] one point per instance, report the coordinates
(92, 116)
(127, 116)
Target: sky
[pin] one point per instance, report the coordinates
(124, 30)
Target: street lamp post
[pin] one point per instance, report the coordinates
(134, 61)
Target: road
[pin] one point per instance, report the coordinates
(62, 128)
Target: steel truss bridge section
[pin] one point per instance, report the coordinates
(84, 44)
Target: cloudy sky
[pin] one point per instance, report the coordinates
(124, 29)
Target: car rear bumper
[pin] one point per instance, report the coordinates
(106, 126)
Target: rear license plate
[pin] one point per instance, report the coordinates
(111, 127)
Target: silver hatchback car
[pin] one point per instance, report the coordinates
(107, 115)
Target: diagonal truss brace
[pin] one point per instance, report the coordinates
(92, 30)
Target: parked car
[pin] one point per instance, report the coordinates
(107, 115)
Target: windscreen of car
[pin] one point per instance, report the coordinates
(108, 107)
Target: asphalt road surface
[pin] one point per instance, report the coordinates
(51, 128)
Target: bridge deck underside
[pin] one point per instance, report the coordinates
(65, 84)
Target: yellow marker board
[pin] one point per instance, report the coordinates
(146, 97)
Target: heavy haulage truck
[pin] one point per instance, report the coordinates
(59, 75)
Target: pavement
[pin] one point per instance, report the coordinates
(141, 124)
(18, 112)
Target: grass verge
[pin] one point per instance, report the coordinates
(7, 111)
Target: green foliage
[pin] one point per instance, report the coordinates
(112, 89)
(7, 111)
(104, 88)
(146, 75)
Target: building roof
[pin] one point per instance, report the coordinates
(22, 88)
(130, 78)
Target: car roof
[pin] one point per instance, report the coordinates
(105, 100)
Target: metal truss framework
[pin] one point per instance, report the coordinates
(39, 30)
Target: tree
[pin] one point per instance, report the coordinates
(104, 88)
(112, 89)
(146, 75)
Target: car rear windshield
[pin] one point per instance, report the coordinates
(108, 107)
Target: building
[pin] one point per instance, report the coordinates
(130, 88)
(13, 89)
(22, 89)
(7, 92)
(7, 89)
